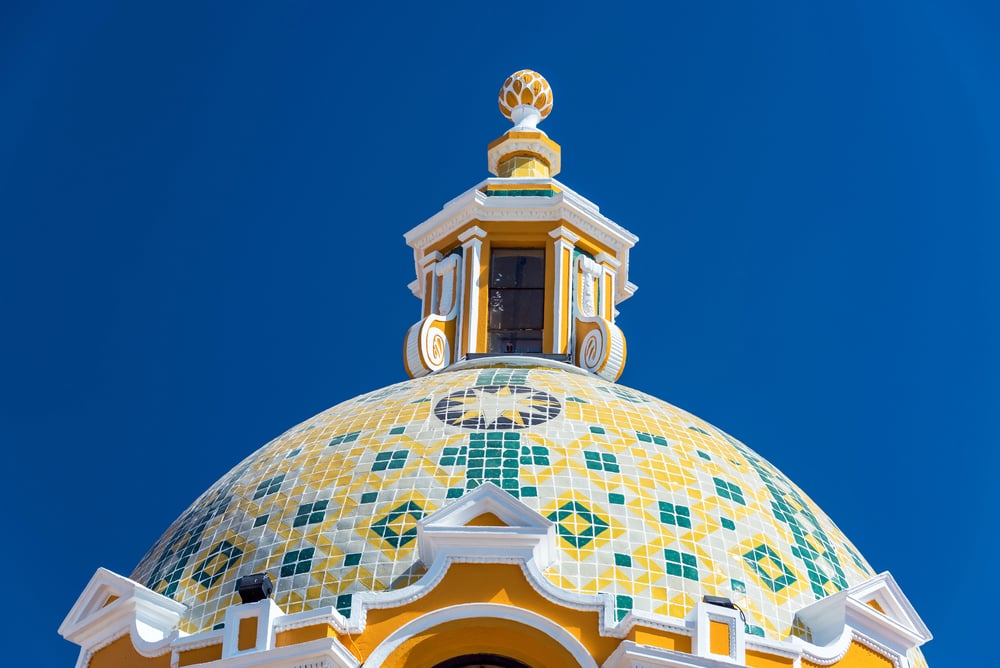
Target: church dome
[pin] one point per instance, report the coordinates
(652, 505)
(510, 504)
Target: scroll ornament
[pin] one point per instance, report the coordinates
(429, 344)
(600, 344)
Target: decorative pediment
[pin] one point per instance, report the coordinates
(112, 605)
(876, 608)
(488, 524)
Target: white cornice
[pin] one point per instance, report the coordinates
(565, 205)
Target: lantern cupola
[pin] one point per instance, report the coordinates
(520, 264)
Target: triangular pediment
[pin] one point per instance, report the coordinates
(111, 602)
(878, 608)
(486, 524)
(486, 520)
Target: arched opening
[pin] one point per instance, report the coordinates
(475, 635)
(481, 661)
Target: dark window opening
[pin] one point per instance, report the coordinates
(516, 300)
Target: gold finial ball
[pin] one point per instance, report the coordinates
(525, 89)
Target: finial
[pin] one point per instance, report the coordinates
(525, 99)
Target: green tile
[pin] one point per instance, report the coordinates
(727, 523)
(600, 461)
(622, 559)
(397, 430)
(729, 490)
(352, 559)
(764, 561)
(269, 486)
(677, 515)
(388, 460)
(344, 438)
(615, 498)
(597, 430)
(297, 561)
(681, 563)
(344, 604)
(368, 497)
(220, 559)
(623, 605)
(383, 527)
(595, 525)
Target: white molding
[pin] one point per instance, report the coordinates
(266, 612)
(609, 260)
(562, 232)
(322, 653)
(899, 629)
(564, 277)
(527, 536)
(432, 256)
(629, 654)
(474, 231)
(150, 619)
(834, 651)
(535, 145)
(704, 614)
(468, 319)
(516, 361)
(481, 611)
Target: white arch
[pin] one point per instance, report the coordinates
(481, 611)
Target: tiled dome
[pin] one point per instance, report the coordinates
(652, 504)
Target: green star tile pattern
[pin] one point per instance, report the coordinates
(576, 524)
(637, 488)
(769, 567)
(399, 527)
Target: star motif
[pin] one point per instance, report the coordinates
(497, 407)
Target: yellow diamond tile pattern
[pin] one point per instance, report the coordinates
(651, 504)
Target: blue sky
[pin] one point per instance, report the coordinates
(201, 210)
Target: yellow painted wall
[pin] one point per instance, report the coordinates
(200, 655)
(759, 660)
(482, 583)
(121, 654)
(660, 638)
(247, 638)
(857, 656)
(718, 638)
(304, 634)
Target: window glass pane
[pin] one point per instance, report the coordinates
(516, 306)
(528, 341)
(517, 309)
(517, 268)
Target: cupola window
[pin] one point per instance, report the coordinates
(516, 300)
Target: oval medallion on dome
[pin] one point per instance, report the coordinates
(497, 407)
